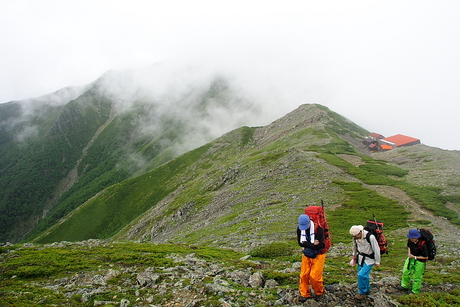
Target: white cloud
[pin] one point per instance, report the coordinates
(390, 66)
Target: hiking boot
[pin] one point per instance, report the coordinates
(360, 296)
(303, 299)
(401, 288)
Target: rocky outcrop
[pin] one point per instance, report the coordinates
(192, 281)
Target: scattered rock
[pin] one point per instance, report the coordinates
(193, 281)
(256, 280)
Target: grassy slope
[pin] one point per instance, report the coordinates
(135, 141)
(267, 184)
(249, 186)
(103, 215)
(32, 169)
(244, 188)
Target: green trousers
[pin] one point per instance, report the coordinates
(415, 269)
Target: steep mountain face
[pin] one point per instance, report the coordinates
(254, 183)
(121, 158)
(228, 190)
(59, 150)
(38, 148)
(196, 188)
(247, 188)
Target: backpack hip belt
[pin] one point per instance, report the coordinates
(363, 257)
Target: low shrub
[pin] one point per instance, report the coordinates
(273, 250)
(432, 299)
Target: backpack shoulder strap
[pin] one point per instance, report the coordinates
(368, 237)
(421, 243)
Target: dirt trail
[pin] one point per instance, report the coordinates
(444, 231)
(450, 233)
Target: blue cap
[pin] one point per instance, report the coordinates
(304, 222)
(413, 234)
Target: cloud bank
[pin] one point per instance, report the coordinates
(391, 67)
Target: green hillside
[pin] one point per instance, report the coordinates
(37, 152)
(103, 215)
(190, 229)
(56, 156)
(248, 186)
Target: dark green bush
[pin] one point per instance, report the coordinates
(273, 250)
(384, 169)
(282, 278)
(432, 299)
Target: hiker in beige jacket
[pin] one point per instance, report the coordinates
(366, 253)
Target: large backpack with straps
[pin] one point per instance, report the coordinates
(318, 216)
(428, 239)
(376, 228)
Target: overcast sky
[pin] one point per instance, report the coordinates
(390, 66)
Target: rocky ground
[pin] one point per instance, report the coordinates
(226, 283)
(194, 282)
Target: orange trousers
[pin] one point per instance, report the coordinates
(311, 273)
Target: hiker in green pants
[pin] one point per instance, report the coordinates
(415, 263)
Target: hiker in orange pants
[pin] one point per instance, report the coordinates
(311, 272)
(311, 239)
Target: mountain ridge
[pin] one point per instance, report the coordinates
(57, 155)
(261, 137)
(44, 139)
(231, 184)
(147, 183)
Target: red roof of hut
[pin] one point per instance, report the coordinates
(402, 140)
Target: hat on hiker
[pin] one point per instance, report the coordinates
(413, 234)
(304, 222)
(356, 229)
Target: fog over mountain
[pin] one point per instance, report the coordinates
(391, 67)
(60, 149)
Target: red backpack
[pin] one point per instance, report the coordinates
(318, 216)
(376, 228)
